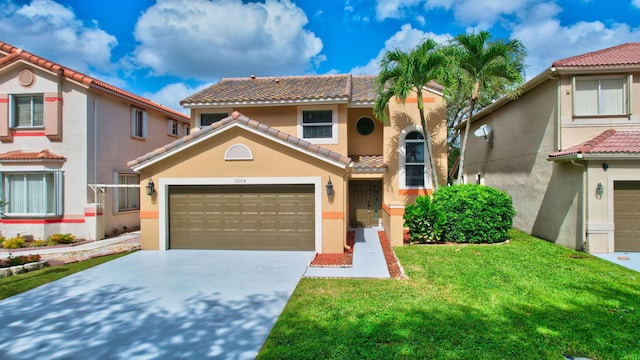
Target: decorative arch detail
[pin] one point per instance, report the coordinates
(238, 152)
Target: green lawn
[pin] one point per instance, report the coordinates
(16, 284)
(528, 299)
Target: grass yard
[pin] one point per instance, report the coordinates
(16, 284)
(528, 299)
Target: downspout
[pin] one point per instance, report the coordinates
(585, 240)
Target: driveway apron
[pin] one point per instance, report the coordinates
(155, 305)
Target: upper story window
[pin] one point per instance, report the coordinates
(128, 196)
(414, 160)
(138, 123)
(207, 119)
(27, 111)
(318, 125)
(600, 96)
(187, 130)
(172, 127)
(32, 193)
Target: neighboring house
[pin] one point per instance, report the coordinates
(568, 151)
(288, 163)
(63, 132)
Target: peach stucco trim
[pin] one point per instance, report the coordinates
(393, 211)
(415, 192)
(149, 214)
(412, 100)
(332, 215)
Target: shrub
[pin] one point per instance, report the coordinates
(38, 243)
(2, 239)
(473, 213)
(61, 239)
(461, 213)
(14, 243)
(21, 260)
(421, 221)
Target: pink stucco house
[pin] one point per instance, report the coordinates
(65, 139)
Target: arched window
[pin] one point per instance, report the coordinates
(414, 160)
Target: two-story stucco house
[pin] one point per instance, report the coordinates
(568, 151)
(288, 163)
(61, 134)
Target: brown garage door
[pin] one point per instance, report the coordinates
(626, 205)
(246, 217)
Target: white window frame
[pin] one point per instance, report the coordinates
(139, 119)
(131, 179)
(173, 128)
(334, 124)
(402, 173)
(217, 112)
(626, 80)
(187, 130)
(13, 115)
(57, 188)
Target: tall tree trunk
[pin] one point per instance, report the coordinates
(428, 143)
(463, 147)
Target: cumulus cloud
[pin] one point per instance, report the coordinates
(636, 3)
(171, 94)
(405, 39)
(394, 9)
(547, 40)
(46, 28)
(205, 40)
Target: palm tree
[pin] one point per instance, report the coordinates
(403, 73)
(486, 61)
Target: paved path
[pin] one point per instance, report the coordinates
(177, 304)
(368, 259)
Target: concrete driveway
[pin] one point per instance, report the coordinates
(155, 305)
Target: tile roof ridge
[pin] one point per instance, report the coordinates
(78, 76)
(348, 89)
(588, 145)
(563, 61)
(308, 76)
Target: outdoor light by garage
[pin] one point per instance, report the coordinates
(150, 187)
(329, 188)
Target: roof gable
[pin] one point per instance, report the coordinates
(14, 54)
(238, 120)
(610, 143)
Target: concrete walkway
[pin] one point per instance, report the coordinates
(630, 260)
(368, 259)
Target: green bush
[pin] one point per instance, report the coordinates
(21, 260)
(61, 239)
(463, 214)
(38, 243)
(14, 243)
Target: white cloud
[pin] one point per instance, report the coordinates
(405, 39)
(394, 9)
(636, 3)
(206, 40)
(48, 29)
(171, 95)
(547, 40)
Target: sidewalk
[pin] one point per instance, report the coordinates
(368, 259)
(89, 246)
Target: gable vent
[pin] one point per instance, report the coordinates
(238, 152)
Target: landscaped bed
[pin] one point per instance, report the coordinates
(528, 299)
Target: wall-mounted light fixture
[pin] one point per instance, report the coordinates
(599, 191)
(605, 166)
(329, 188)
(150, 187)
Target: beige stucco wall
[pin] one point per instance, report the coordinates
(600, 209)
(272, 160)
(546, 196)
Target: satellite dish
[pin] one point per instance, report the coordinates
(484, 131)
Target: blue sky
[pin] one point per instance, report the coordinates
(167, 49)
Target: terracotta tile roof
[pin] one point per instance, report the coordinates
(237, 117)
(368, 163)
(625, 54)
(14, 54)
(363, 89)
(274, 89)
(610, 142)
(25, 156)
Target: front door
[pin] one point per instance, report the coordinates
(364, 203)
